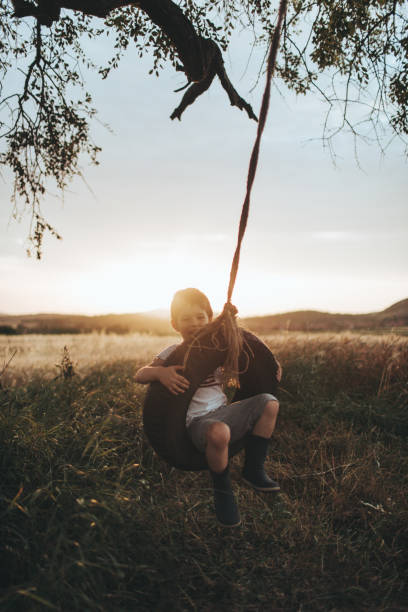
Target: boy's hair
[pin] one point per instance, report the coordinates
(192, 297)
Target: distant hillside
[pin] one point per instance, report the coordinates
(71, 324)
(312, 320)
(396, 316)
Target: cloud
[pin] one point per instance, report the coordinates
(204, 237)
(339, 236)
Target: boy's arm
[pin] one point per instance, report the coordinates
(149, 373)
(167, 376)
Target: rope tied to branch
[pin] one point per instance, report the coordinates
(226, 321)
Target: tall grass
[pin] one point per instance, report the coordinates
(93, 520)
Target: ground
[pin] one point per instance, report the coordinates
(92, 519)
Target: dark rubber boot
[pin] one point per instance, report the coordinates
(226, 508)
(253, 472)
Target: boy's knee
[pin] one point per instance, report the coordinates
(218, 435)
(272, 408)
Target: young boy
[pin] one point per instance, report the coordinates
(212, 423)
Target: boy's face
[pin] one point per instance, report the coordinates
(190, 320)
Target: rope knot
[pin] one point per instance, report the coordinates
(230, 309)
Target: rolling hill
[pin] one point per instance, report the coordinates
(312, 320)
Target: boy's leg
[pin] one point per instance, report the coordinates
(216, 450)
(217, 439)
(257, 447)
(266, 423)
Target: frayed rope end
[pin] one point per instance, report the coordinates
(233, 339)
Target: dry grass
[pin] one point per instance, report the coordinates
(34, 353)
(93, 520)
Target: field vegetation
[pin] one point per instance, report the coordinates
(92, 519)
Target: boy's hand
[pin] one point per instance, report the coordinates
(172, 380)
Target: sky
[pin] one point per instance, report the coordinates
(161, 211)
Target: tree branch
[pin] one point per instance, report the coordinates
(46, 12)
(201, 58)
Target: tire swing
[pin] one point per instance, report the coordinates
(243, 356)
(164, 414)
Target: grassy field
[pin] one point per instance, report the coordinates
(91, 519)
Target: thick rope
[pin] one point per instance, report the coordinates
(253, 163)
